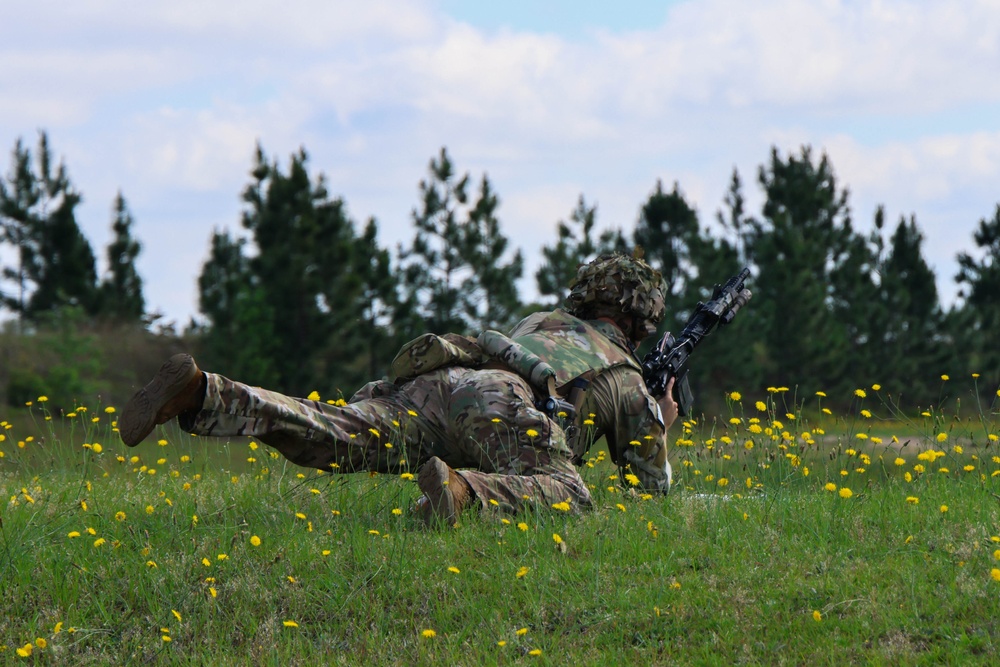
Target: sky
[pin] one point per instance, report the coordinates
(167, 101)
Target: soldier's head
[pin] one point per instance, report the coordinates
(623, 288)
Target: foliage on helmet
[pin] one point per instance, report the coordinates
(616, 284)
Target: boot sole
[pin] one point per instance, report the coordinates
(432, 480)
(139, 415)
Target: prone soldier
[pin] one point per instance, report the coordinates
(498, 420)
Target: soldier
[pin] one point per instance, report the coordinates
(463, 410)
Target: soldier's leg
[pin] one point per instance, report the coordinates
(521, 455)
(378, 432)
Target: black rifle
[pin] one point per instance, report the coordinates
(670, 356)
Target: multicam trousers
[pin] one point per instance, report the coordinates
(479, 419)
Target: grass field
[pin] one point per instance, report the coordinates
(786, 540)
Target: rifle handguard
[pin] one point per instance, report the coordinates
(668, 359)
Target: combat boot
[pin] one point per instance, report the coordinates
(177, 387)
(446, 493)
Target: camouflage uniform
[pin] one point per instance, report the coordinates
(480, 415)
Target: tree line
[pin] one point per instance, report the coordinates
(302, 297)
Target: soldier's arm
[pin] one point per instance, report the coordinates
(634, 424)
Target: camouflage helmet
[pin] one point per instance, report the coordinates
(616, 284)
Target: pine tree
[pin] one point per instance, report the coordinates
(668, 231)
(799, 246)
(452, 276)
(55, 261)
(911, 353)
(493, 285)
(981, 308)
(303, 267)
(377, 300)
(121, 290)
(238, 338)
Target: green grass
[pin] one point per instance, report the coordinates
(713, 573)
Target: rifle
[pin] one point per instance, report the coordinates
(668, 359)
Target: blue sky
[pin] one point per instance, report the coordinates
(167, 101)
(568, 18)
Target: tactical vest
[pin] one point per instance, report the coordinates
(556, 350)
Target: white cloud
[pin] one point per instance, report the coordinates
(166, 100)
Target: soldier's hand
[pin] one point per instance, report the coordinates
(668, 406)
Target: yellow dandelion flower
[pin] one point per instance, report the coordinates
(556, 538)
(760, 406)
(735, 396)
(913, 500)
(941, 437)
(562, 507)
(454, 570)
(945, 378)
(206, 562)
(846, 492)
(428, 634)
(995, 573)
(522, 526)
(397, 511)
(25, 651)
(521, 632)
(860, 393)
(99, 541)
(830, 486)
(254, 540)
(523, 570)
(944, 508)
(531, 433)
(176, 614)
(535, 652)
(290, 624)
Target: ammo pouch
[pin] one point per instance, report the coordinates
(430, 352)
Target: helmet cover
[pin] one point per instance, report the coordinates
(613, 285)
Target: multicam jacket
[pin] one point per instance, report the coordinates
(616, 405)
